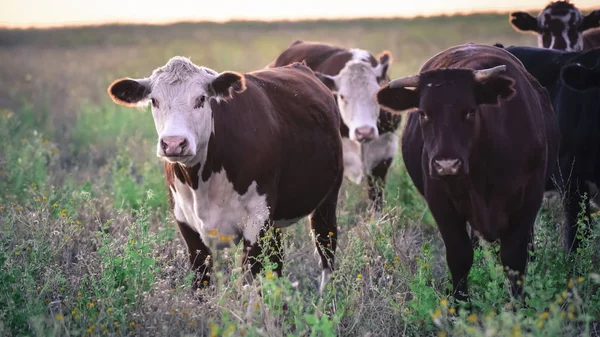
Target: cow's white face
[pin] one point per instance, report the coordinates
(356, 86)
(180, 94)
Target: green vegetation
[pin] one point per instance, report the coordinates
(88, 245)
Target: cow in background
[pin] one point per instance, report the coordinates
(560, 25)
(368, 133)
(478, 146)
(573, 81)
(244, 153)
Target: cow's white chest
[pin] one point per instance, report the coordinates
(217, 212)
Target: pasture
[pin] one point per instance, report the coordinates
(89, 248)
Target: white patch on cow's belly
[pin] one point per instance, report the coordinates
(353, 167)
(360, 160)
(382, 148)
(218, 213)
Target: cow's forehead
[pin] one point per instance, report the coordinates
(560, 9)
(358, 73)
(180, 70)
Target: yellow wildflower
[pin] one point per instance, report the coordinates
(330, 233)
(359, 276)
(442, 334)
(59, 317)
(269, 275)
(437, 313)
(18, 208)
(472, 318)
(451, 310)
(580, 279)
(544, 315)
(444, 302)
(109, 310)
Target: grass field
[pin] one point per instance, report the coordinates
(88, 246)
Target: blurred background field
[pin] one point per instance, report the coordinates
(89, 247)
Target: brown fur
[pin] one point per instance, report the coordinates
(282, 133)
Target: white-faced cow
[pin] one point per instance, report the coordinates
(560, 25)
(244, 153)
(354, 76)
(478, 147)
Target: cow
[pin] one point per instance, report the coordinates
(479, 137)
(560, 25)
(573, 82)
(244, 153)
(354, 76)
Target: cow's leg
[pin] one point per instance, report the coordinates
(323, 223)
(198, 254)
(459, 251)
(515, 244)
(376, 181)
(576, 188)
(267, 245)
(459, 254)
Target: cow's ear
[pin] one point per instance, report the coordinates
(524, 21)
(580, 77)
(220, 87)
(397, 100)
(328, 80)
(385, 59)
(129, 92)
(591, 20)
(494, 89)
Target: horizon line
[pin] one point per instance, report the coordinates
(249, 20)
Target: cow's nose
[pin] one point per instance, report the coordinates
(365, 133)
(174, 145)
(447, 167)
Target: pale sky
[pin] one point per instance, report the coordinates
(44, 13)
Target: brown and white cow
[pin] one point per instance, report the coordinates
(560, 25)
(244, 153)
(479, 146)
(354, 76)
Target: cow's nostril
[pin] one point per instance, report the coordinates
(163, 145)
(183, 144)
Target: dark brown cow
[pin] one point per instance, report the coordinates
(560, 25)
(478, 148)
(354, 76)
(244, 153)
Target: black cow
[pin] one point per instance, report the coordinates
(573, 81)
(478, 148)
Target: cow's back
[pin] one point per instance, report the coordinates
(321, 57)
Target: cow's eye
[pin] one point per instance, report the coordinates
(200, 102)
(423, 115)
(154, 102)
(342, 97)
(471, 113)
